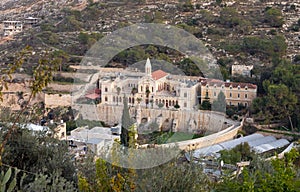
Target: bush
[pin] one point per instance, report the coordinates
(273, 17)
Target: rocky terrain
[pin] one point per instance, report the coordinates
(236, 32)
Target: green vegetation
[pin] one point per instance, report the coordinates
(281, 101)
(267, 47)
(220, 103)
(38, 162)
(273, 17)
(229, 17)
(89, 39)
(36, 158)
(239, 153)
(277, 175)
(127, 125)
(49, 37)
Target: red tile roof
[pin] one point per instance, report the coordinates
(219, 83)
(92, 96)
(159, 74)
(97, 91)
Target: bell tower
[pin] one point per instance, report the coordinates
(148, 67)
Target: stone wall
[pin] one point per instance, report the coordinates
(218, 137)
(180, 120)
(55, 100)
(213, 122)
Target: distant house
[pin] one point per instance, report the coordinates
(31, 21)
(60, 130)
(244, 70)
(12, 27)
(98, 145)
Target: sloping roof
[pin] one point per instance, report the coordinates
(94, 141)
(219, 83)
(92, 96)
(273, 145)
(159, 74)
(98, 91)
(232, 143)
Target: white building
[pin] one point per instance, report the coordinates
(12, 27)
(150, 89)
(31, 21)
(244, 70)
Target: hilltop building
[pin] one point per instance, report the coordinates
(159, 89)
(12, 27)
(244, 70)
(155, 89)
(31, 21)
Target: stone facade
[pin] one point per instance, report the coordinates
(235, 93)
(55, 100)
(244, 70)
(156, 89)
(192, 121)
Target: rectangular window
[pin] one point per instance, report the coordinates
(238, 95)
(185, 94)
(184, 105)
(246, 96)
(230, 94)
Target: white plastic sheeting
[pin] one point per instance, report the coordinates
(207, 150)
(261, 141)
(257, 142)
(232, 143)
(269, 146)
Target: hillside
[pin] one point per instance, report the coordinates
(236, 32)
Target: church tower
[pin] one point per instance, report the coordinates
(148, 67)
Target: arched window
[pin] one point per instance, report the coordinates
(129, 100)
(114, 99)
(105, 98)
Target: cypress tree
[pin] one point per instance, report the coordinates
(127, 122)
